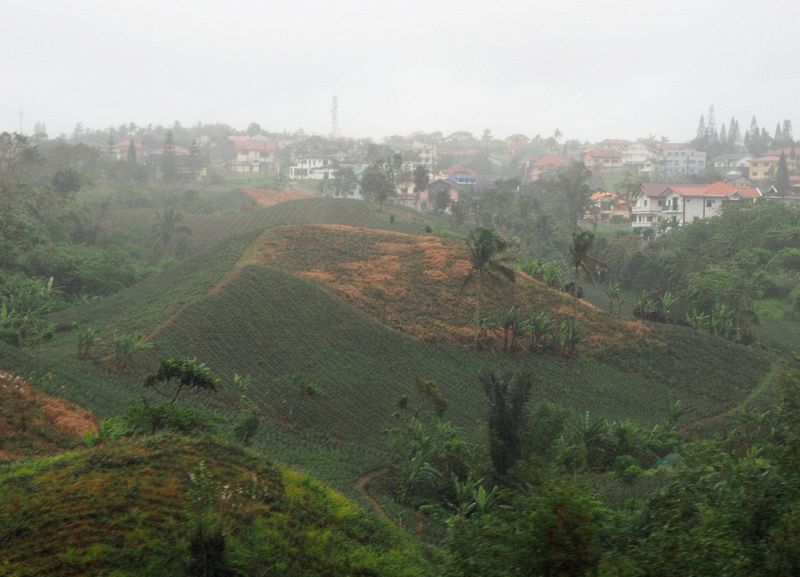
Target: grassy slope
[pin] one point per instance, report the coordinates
(269, 323)
(210, 229)
(129, 508)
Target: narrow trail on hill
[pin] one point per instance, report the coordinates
(229, 277)
(755, 392)
(362, 483)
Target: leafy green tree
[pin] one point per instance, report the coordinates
(189, 375)
(87, 339)
(508, 399)
(66, 181)
(377, 182)
(16, 153)
(125, 346)
(421, 179)
(441, 200)
(782, 180)
(487, 262)
(570, 187)
(344, 182)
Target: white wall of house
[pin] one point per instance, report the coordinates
(308, 168)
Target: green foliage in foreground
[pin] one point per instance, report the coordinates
(167, 505)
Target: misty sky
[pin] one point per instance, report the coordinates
(593, 69)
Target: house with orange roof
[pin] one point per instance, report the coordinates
(607, 207)
(602, 158)
(547, 164)
(766, 166)
(677, 204)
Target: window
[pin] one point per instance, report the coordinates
(709, 203)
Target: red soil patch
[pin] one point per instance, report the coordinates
(266, 197)
(415, 284)
(37, 421)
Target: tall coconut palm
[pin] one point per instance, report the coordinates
(486, 248)
(166, 228)
(582, 260)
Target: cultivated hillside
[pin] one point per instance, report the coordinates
(415, 284)
(32, 423)
(164, 505)
(335, 324)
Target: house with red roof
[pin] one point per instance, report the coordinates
(546, 164)
(253, 155)
(677, 204)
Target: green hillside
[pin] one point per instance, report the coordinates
(164, 505)
(211, 229)
(327, 376)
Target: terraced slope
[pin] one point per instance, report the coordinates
(138, 507)
(250, 306)
(415, 284)
(209, 230)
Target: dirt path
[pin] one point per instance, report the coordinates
(246, 258)
(362, 484)
(755, 392)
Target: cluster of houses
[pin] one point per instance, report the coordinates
(650, 158)
(666, 201)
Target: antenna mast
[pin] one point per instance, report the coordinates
(335, 118)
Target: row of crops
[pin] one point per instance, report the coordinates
(271, 325)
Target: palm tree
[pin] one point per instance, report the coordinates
(582, 260)
(486, 248)
(167, 227)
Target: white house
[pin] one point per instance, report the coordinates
(314, 168)
(253, 155)
(678, 204)
(639, 155)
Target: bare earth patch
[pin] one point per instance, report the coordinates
(415, 284)
(32, 422)
(266, 197)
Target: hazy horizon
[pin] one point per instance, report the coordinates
(613, 69)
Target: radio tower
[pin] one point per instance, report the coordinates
(335, 118)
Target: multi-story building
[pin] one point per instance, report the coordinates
(602, 158)
(313, 167)
(766, 166)
(679, 160)
(253, 155)
(677, 204)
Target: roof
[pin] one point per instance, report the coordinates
(449, 183)
(603, 152)
(458, 169)
(613, 141)
(719, 189)
(653, 189)
(126, 143)
(788, 151)
(552, 160)
(247, 145)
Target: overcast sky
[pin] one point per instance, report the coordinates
(594, 69)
